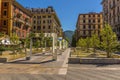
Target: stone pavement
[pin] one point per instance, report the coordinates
(93, 72)
(41, 67)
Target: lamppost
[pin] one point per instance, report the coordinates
(30, 53)
(53, 47)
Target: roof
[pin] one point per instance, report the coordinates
(15, 3)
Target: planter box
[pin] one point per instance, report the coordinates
(74, 60)
(2, 60)
(94, 60)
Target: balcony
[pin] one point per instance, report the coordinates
(18, 15)
(112, 6)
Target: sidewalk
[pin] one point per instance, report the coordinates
(39, 64)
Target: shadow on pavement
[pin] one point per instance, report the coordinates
(43, 54)
(28, 62)
(103, 65)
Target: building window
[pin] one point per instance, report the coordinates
(98, 26)
(83, 16)
(89, 21)
(49, 21)
(89, 33)
(89, 27)
(49, 27)
(43, 21)
(49, 16)
(34, 16)
(98, 15)
(34, 22)
(93, 21)
(98, 21)
(93, 26)
(4, 22)
(34, 27)
(39, 22)
(39, 27)
(83, 21)
(84, 32)
(5, 13)
(44, 16)
(84, 27)
(38, 17)
(43, 27)
(46, 10)
(5, 4)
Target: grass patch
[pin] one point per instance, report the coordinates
(84, 54)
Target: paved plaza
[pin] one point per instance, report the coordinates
(41, 67)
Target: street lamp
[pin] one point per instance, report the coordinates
(53, 49)
(30, 53)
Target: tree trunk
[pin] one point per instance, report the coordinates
(108, 54)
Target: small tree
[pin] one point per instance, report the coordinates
(41, 37)
(81, 43)
(95, 42)
(49, 42)
(14, 39)
(88, 43)
(109, 39)
(1, 35)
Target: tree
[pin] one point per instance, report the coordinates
(14, 39)
(109, 39)
(37, 43)
(95, 42)
(49, 42)
(73, 44)
(41, 36)
(81, 43)
(1, 35)
(88, 43)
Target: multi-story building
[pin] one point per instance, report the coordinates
(45, 20)
(14, 18)
(87, 24)
(111, 14)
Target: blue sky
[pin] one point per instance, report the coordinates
(67, 10)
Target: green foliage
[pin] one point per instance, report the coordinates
(81, 43)
(85, 43)
(37, 44)
(109, 39)
(1, 34)
(95, 41)
(49, 42)
(88, 41)
(41, 37)
(117, 48)
(31, 35)
(14, 39)
(73, 44)
(9, 48)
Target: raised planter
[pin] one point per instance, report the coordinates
(94, 60)
(2, 60)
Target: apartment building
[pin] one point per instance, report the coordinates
(111, 14)
(14, 18)
(45, 20)
(87, 24)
